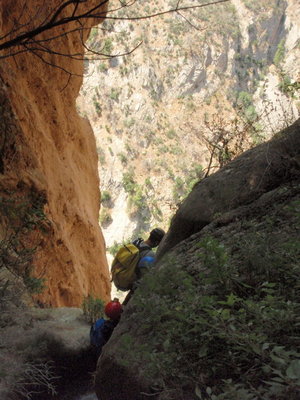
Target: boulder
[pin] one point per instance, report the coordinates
(240, 182)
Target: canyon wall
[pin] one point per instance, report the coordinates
(54, 153)
(203, 86)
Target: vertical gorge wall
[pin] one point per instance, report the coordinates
(52, 150)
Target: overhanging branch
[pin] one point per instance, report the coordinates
(57, 19)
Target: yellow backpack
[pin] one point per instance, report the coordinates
(124, 266)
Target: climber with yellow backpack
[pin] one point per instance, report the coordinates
(132, 261)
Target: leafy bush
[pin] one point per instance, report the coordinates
(105, 196)
(93, 308)
(114, 94)
(171, 133)
(108, 46)
(129, 123)
(148, 182)
(114, 248)
(105, 217)
(123, 158)
(279, 55)
(245, 102)
(136, 198)
(128, 181)
(33, 284)
(97, 106)
(288, 87)
(102, 67)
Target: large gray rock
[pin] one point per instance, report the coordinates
(240, 182)
(251, 208)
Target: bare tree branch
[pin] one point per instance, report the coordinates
(190, 23)
(77, 56)
(21, 39)
(18, 26)
(25, 37)
(57, 19)
(170, 11)
(49, 63)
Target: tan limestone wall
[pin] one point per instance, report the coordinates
(58, 157)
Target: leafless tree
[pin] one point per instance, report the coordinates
(227, 138)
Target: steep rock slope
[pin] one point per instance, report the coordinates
(247, 177)
(207, 323)
(51, 150)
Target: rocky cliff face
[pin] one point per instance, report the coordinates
(157, 112)
(47, 148)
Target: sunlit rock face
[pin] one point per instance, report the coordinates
(53, 152)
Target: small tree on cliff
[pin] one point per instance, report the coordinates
(38, 33)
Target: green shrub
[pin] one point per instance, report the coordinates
(288, 87)
(105, 196)
(280, 52)
(128, 182)
(114, 94)
(105, 217)
(148, 182)
(34, 285)
(137, 199)
(114, 248)
(163, 149)
(108, 46)
(123, 158)
(129, 123)
(176, 150)
(93, 308)
(171, 133)
(97, 105)
(244, 99)
(245, 102)
(102, 67)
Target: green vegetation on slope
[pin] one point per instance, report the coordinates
(220, 318)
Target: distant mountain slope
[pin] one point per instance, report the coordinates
(203, 86)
